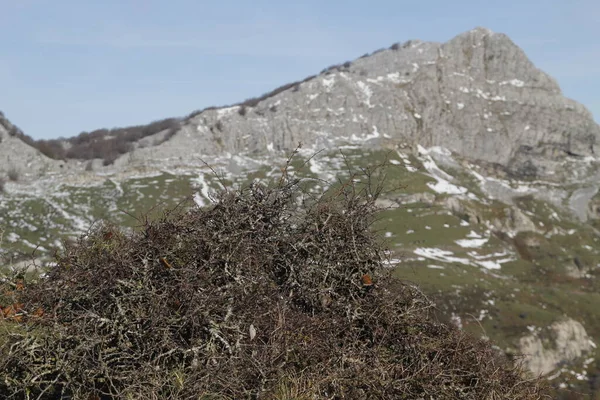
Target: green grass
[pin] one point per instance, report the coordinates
(536, 287)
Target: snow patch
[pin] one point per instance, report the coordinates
(488, 264)
(440, 255)
(442, 184)
(12, 237)
(433, 266)
(471, 243)
(366, 91)
(373, 135)
(202, 197)
(513, 82)
(391, 262)
(329, 82)
(226, 111)
(394, 77)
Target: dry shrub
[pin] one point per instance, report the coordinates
(107, 144)
(53, 148)
(269, 293)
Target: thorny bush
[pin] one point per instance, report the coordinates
(269, 293)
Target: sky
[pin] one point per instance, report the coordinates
(68, 66)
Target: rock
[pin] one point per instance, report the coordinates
(462, 208)
(514, 221)
(562, 342)
(511, 220)
(593, 211)
(386, 203)
(578, 269)
(477, 95)
(425, 198)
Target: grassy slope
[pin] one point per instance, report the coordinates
(503, 304)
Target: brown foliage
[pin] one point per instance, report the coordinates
(51, 148)
(107, 144)
(269, 291)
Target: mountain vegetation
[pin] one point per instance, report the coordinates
(271, 292)
(106, 144)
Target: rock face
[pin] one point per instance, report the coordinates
(17, 156)
(567, 341)
(477, 95)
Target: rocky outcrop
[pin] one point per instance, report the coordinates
(561, 343)
(15, 155)
(477, 95)
(593, 210)
(508, 219)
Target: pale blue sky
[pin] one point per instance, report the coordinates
(73, 65)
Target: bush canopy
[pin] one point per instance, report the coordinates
(271, 292)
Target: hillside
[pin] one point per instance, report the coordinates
(477, 95)
(497, 214)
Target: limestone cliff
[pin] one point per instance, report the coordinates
(477, 95)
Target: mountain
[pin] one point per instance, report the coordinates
(17, 155)
(477, 95)
(497, 214)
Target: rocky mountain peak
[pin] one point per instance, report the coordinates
(477, 95)
(496, 57)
